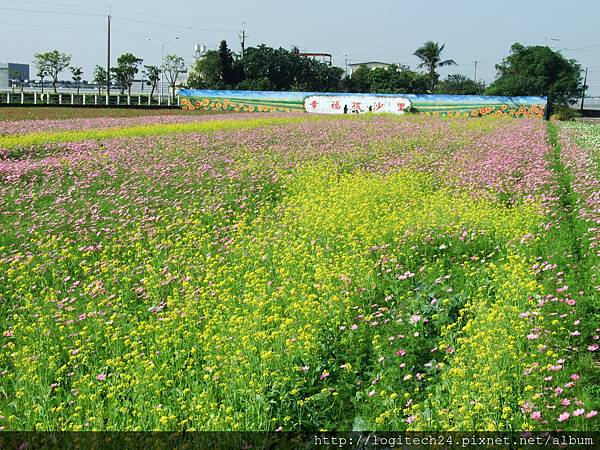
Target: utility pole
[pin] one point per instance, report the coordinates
(475, 76)
(584, 86)
(243, 38)
(108, 58)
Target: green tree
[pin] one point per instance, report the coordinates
(538, 70)
(359, 80)
(206, 73)
(100, 78)
(173, 66)
(53, 63)
(127, 68)
(41, 74)
(458, 84)
(398, 80)
(16, 76)
(152, 74)
(430, 55)
(226, 64)
(76, 73)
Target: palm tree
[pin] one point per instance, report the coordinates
(430, 55)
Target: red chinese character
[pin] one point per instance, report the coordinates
(335, 105)
(401, 106)
(314, 104)
(378, 106)
(356, 106)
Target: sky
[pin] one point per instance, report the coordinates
(378, 30)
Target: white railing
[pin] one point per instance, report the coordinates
(84, 99)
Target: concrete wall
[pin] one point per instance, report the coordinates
(3, 76)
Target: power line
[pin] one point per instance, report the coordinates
(50, 27)
(588, 47)
(51, 12)
(181, 27)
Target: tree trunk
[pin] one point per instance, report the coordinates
(432, 76)
(54, 85)
(173, 92)
(42, 86)
(152, 91)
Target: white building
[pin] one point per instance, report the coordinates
(4, 76)
(370, 64)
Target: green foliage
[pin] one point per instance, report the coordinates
(458, 84)
(566, 113)
(173, 66)
(127, 68)
(152, 74)
(100, 77)
(206, 72)
(229, 71)
(430, 55)
(538, 70)
(52, 63)
(264, 68)
(76, 73)
(392, 79)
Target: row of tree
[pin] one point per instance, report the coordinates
(533, 70)
(51, 64)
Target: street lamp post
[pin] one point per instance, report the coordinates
(162, 62)
(345, 59)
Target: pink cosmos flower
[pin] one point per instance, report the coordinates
(536, 415)
(401, 352)
(101, 377)
(574, 377)
(564, 416)
(411, 419)
(593, 347)
(324, 375)
(578, 412)
(532, 336)
(565, 402)
(591, 414)
(414, 319)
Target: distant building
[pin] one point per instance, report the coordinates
(322, 57)
(370, 64)
(19, 72)
(4, 76)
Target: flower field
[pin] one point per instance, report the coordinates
(289, 272)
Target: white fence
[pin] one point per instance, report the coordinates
(85, 99)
